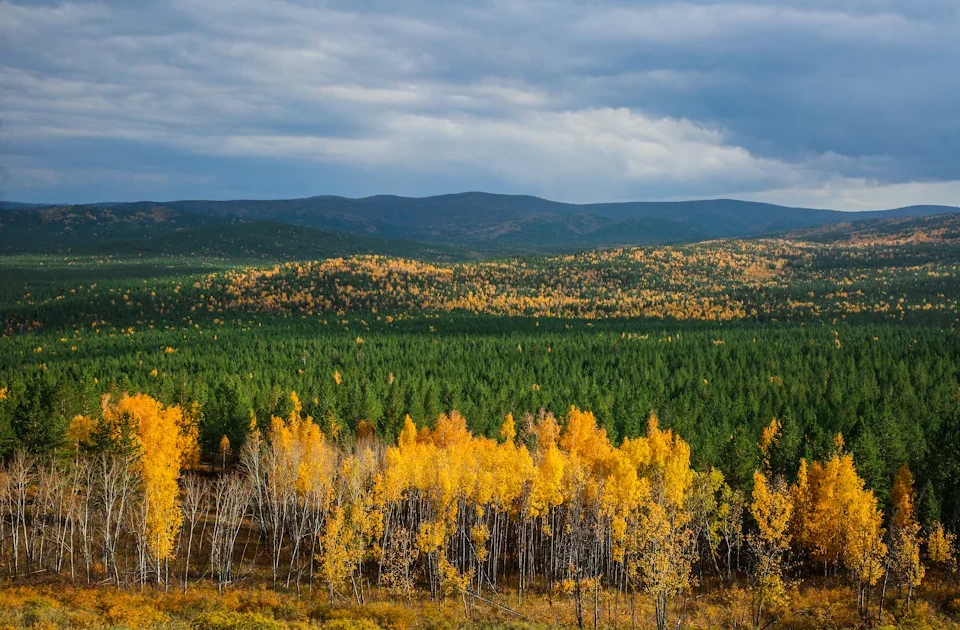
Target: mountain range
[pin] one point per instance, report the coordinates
(477, 223)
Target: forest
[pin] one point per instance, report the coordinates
(743, 433)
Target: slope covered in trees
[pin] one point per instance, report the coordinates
(910, 275)
(79, 230)
(929, 230)
(45, 229)
(511, 223)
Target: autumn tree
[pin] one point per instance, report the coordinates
(730, 525)
(940, 547)
(708, 514)
(230, 499)
(292, 473)
(354, 522)
(864, 550)
(195, 503)
(663, 543)
(771, 508)
(903, 561)
(159, 441)
(841, 523)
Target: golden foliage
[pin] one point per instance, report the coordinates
(841, 523)
(940, 546)
(772, 508)
(905, 564)
(164, 440)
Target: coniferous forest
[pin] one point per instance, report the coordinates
(741, 433)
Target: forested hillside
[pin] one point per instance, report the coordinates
(733, 433)
(161, 232)
(484, 222)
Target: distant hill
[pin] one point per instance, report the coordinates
(528, 222)
(72, 227)
(481, 222)
(917, 230)
(271, 241)
(16, 205)
(165, 231)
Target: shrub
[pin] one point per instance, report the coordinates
(385, 615)
(219, 620)
(270, 602)
(429, 618)
(38, 612)
(128, 610)
(350, 624)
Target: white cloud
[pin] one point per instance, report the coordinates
(573, 153)
(862, 194)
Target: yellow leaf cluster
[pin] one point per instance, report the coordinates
(841, 521)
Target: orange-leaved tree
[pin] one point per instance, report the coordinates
(841, 523)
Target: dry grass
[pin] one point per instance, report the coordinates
(812, 606)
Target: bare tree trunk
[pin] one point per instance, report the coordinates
(196, 500)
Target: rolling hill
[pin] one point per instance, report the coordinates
(271, 241)
(65, 228)
(934, 229)
(16, 205)
(532, 222)
(481, 222)
(87, 230)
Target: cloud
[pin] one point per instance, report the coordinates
(798, 100)
(863, 194)
(686, 23)
(566, 151)
(31, 173)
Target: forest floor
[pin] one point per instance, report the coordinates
(54, 604)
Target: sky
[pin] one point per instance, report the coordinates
(844, 104)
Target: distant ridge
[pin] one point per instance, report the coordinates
(483, 221)
(16, 205)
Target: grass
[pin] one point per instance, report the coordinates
(818, 605)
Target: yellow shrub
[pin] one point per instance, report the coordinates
(385, 615)
(129, 611)
(429, 618)
(922, 616)
(270, 602)
(133, 617)
(193, 602)
(219, 620)
(12, 598)
(82, 620)
(350, 624)
(79, 598)
(40, 612)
